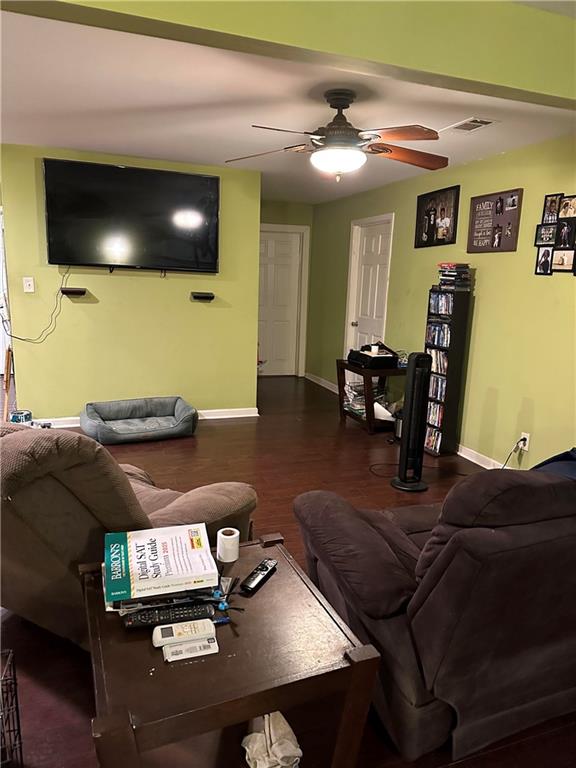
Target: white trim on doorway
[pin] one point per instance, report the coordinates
(304, 231)
(355, 231)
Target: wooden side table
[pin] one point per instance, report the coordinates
(289, 647)
(367, 374)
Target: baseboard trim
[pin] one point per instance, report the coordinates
(478, 458)
(64, 422)
(73, 422)
(322, 382)
(228, 413)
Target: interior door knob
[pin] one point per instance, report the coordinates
(354, 323)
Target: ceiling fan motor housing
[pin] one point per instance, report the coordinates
(340, 98)
(339, 132)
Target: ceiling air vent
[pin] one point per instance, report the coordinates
(470, 125)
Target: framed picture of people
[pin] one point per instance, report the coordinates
(545, 234)
(551, 208)
(543, 262)
(563, 261)
(494, 222)
(437, 217)
(565, 234)
(567, 208)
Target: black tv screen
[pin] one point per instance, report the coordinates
(116, 216)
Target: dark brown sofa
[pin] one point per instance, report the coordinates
(61, 492)
(472, 604)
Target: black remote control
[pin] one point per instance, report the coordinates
(152, 617)
(259, 575)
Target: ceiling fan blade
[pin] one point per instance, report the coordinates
(410, 156)
(287, 130)
(294, 148)
(406, 133)
(300, 148)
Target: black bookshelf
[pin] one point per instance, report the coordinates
(446, 341)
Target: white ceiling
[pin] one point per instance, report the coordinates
(563, 7)
(66, 85)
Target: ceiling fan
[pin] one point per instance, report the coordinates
(339, 147)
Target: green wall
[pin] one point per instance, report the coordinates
(488, 42)
(278, 212)
(521, 371)
(137, 334)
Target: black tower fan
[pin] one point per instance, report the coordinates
(414, 424)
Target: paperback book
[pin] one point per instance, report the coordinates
(157, 561)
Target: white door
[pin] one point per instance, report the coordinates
(370, 251)
(280, 264)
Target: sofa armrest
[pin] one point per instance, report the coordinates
(363, 559)
(415, 518)
(136, 473)
(218, 505)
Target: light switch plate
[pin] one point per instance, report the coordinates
(28, 283)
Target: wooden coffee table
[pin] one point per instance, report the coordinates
(288, 648)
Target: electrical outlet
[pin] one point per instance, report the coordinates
(28, 283)
(526, 445)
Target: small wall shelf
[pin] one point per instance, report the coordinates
(73, 291)
(202, 296)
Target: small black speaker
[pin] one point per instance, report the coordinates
(414, 424)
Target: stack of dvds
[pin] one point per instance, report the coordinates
(435, 414)
(440, 304)
(433, 439)
(438, 334)
(455, 276)
(437, 387)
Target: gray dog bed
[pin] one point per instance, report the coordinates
(131, 421)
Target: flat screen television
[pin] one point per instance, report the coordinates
(117, 216)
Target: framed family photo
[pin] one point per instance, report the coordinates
(565, 234)
(437, 217)
(551, 208)
(543, 264)
(545, 234)
(567, 207)
(563, 261)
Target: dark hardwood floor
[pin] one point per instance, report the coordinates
(296, 445)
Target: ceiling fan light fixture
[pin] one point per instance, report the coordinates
(338, 160)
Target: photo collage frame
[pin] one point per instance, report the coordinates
(495, 221)
(555, 237)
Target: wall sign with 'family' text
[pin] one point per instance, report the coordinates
(494, 221)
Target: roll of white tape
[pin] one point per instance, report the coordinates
(228, 545)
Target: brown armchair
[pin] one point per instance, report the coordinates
(61, 492)
(473, 612)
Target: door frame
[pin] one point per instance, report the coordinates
(303, 277)
(356, 226)
(4, 302)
